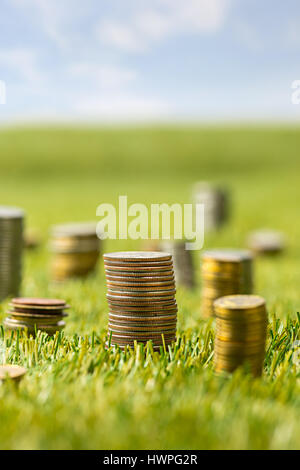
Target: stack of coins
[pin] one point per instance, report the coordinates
(11, 247)
(266, 242)
(183, 262)
(36, 314)
(141, 298)
(240, 333)
(76, 250)
(12, 372)
(224, 272)
(216, 202)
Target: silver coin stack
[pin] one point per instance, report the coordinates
(215, 200)
(266, 242)
(11, 248)
(183, 262)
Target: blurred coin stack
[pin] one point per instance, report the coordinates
(241, 323)
(224, 272)
(141, 298)
(75, 250)
(11, 248)
(36, 314)
(216, 202)
(266, 242)
(183, 262)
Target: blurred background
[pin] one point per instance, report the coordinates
(145, 98)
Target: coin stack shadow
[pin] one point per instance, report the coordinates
(225, 272)
(11, 249)
(141, 298)
(183, 262)
(241, 323)
(216, 204)
(75, 248)
(36, 314)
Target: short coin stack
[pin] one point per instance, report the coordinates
(141, 298)
(11, 248)
(216, 202)
(266, 242)
(76, 250)
(224, 272)
(183, 262)
(240, 333)
(36, 314)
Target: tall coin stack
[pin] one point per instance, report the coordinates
(224, 272)
(11, 248)
(241, 325)
(36, 314)
(141, 298)
(216, 202)
(183, 262)
(75, 250)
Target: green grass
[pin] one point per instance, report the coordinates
(77, 395)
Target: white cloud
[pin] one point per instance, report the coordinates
(293, 33)
(119, 36)
(163, 18)
(55, 17)
(23, 61)
(105, 76)
(249, 36)
(121, 107)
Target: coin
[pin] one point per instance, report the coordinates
(183, 262)
(141, 297)
(36, 314)
(216, 204)
(129, 280)
(225, 272)
(75, 249)
(140, 286)
(138, 256)
(13, 372)
(142, 264)
(40, 302)
(241, 326)
(11, 250)
(266, 242)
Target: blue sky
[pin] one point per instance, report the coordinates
(136, 60)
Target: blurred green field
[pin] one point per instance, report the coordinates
(77, 395)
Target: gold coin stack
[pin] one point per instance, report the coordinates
(11, 249)
(224, 272)
(76, 250)
(241, 323)
(266, 242)
(36, 314)
(216, 202)
(141, 298)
